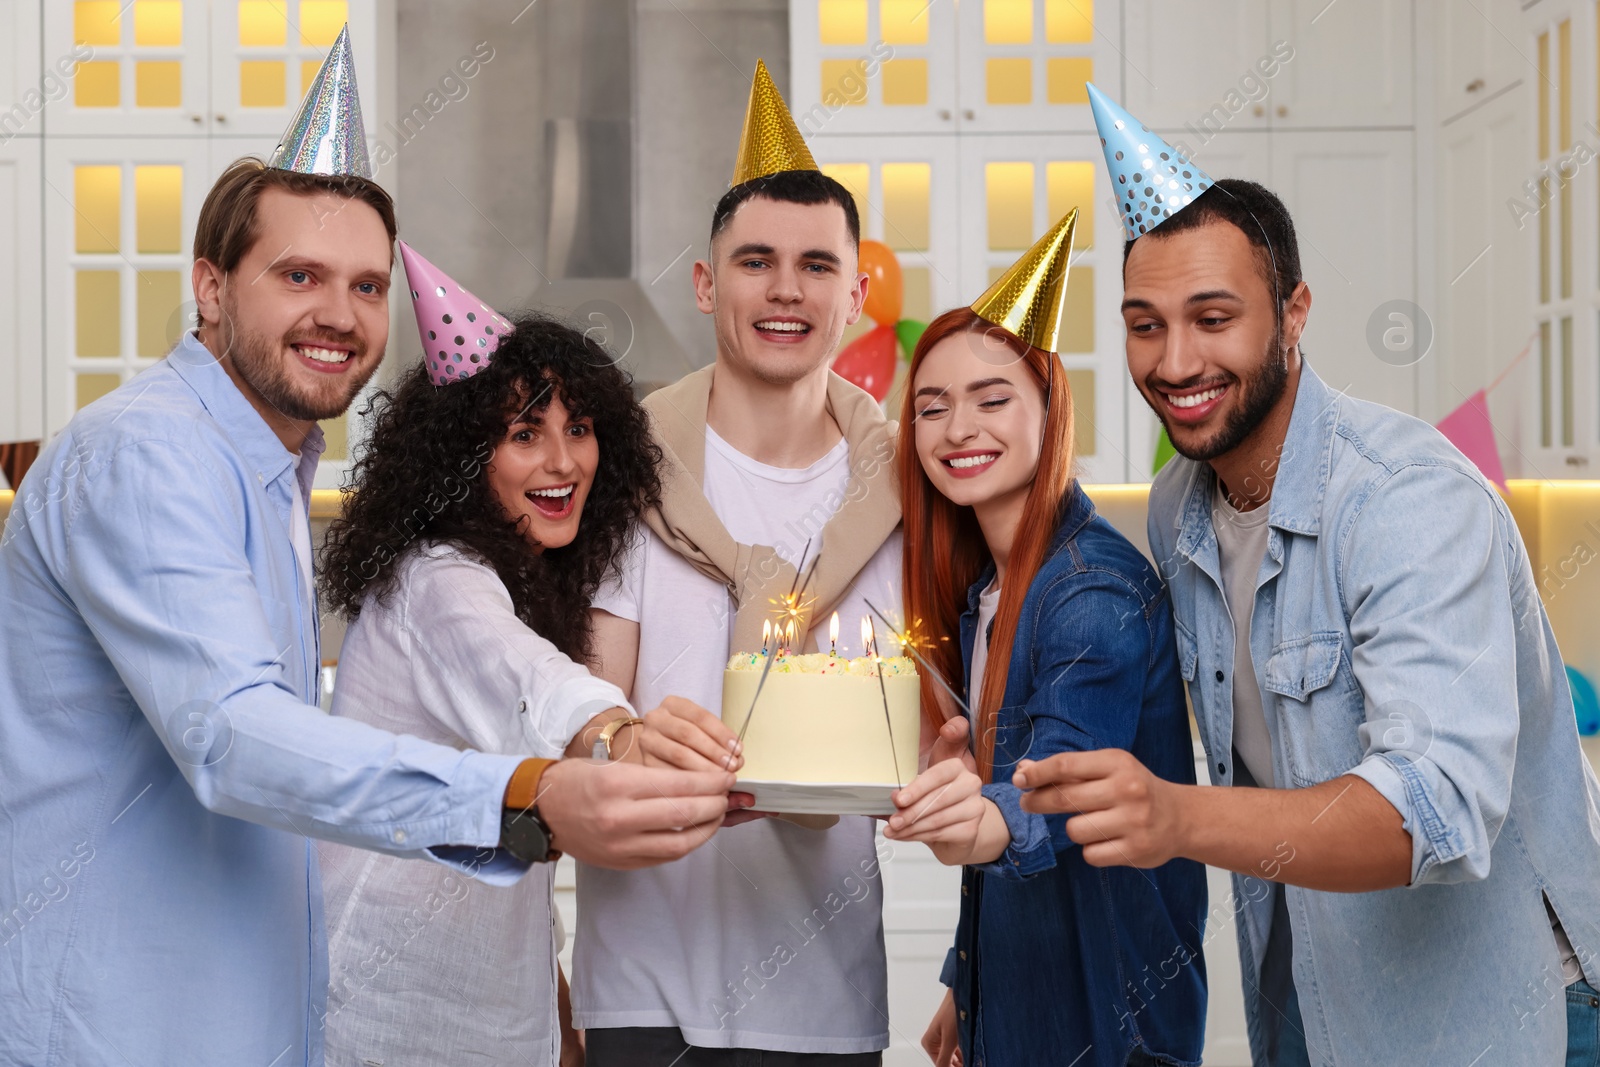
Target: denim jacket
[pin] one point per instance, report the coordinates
(1057, 961)
(1397, 635)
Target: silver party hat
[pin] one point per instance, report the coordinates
(327, 135)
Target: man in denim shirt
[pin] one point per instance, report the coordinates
(1412, 825)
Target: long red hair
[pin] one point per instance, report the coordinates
(944, 549)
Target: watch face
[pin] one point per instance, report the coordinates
(523, 834)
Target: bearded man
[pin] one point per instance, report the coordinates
(163, 761)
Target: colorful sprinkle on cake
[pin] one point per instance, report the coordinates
(823, 663)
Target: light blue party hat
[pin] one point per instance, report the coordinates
(327, 135)
(1152, 180)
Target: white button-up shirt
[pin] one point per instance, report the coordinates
(426, 965)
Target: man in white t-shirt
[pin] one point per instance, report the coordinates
(772, 939)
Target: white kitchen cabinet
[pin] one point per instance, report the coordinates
(21, 292)
(1485, 259)
(1323, 85)
(101, 184)
(1477, 53)
(1183, 61)
(1354, 206)
(119, 218)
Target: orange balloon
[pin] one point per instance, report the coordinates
(885, 289)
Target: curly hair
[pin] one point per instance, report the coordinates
(422, 477)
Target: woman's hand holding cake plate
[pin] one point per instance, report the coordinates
(682, 734)
(944, 807)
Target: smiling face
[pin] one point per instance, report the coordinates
(542, 471)
(979, 417)
(1204, 345)
(301, 323)
(782, 284)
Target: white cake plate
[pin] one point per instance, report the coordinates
(817, 798)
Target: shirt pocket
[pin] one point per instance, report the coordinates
(1188, 650)
(1320, 717)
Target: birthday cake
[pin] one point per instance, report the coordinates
(824, 719)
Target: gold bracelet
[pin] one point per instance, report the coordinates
(609, 731)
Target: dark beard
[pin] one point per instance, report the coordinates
(1258, 396)
(259, 362)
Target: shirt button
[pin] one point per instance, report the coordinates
(963, 890)
(399, 837)
(1219, 676)
(962, 954)
(522, 706)
(1222, 768)
(963, 1014)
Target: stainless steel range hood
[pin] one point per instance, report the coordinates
(586, 61)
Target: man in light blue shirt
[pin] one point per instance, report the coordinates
(1414, 829)
(162, 759)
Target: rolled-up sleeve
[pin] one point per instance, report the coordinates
(1425, 583)
(483, 673)
(154, 562)
(1092, 649)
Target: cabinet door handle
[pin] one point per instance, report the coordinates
(944, 113)
(969, 114)
(1283, 111)
(221, 117)
(1475, 85)
(197, 119)
(1260, 111)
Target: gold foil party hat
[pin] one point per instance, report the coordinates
(327, 135)
(771, 142)
(1030, 298)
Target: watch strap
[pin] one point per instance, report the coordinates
(522, 791)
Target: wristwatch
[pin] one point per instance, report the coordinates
(609, 732)
(522, 832)
(525, 836)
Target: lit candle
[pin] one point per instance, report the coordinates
(866, 636)
(766, 636)
(833, 635)
(789, 638)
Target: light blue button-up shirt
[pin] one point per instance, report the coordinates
(162, 758)
(1397, 635)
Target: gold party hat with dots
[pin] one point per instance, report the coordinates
(771, 142)
(1030, 298)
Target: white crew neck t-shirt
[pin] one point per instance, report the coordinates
(769, 936)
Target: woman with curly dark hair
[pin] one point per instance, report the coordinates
(499, 486)
(421, 478)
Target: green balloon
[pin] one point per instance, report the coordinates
(1164, 452)
(909, 332)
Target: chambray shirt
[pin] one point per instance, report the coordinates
(161, 755)
(1397, 635)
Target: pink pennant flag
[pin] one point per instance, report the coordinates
(1469, 429)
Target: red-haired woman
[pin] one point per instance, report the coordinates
(1060, 634)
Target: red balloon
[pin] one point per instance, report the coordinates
(869, 361)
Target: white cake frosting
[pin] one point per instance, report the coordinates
(821, 718)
